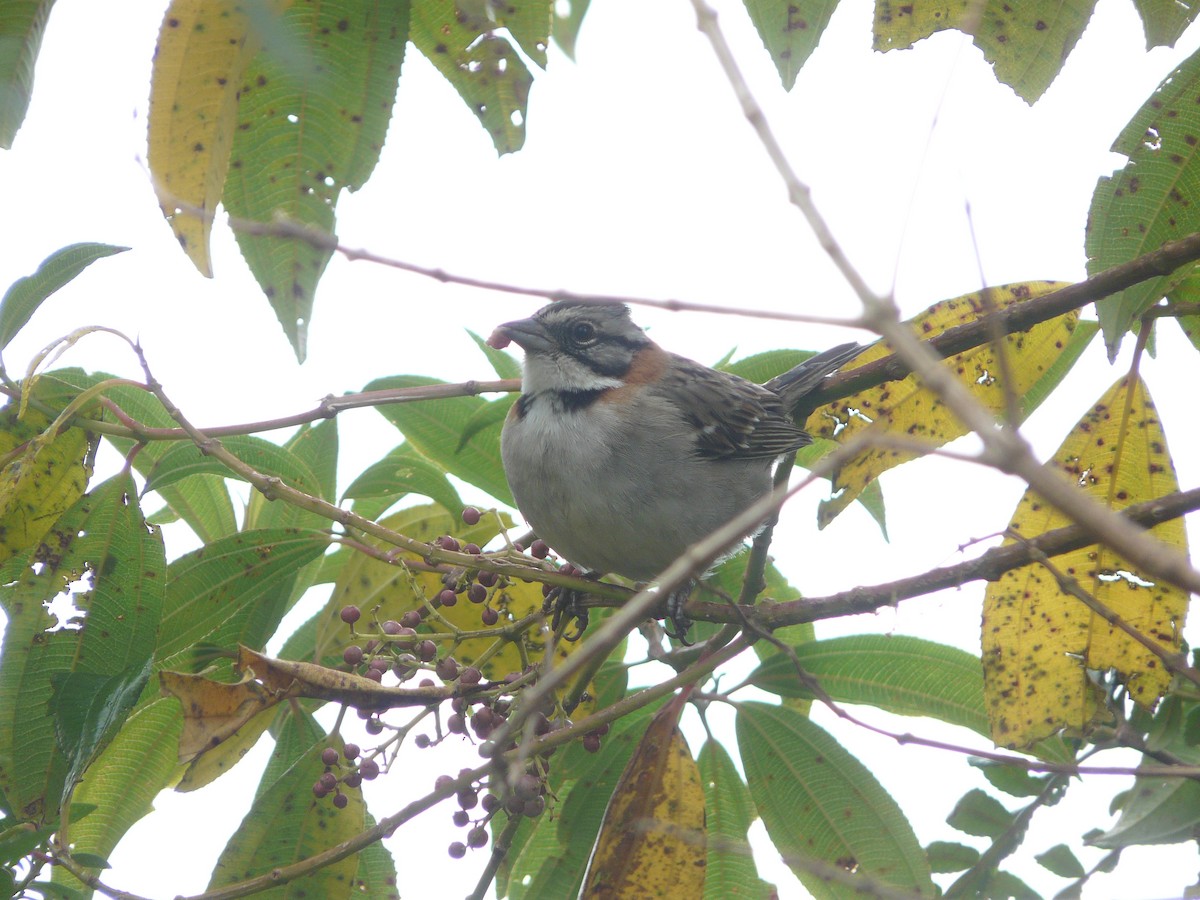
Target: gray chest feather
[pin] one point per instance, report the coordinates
(621, 494)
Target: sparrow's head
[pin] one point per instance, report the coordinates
(574, 346)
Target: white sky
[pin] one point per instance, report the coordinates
(639, 177)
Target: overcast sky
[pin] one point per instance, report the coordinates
(639, 177)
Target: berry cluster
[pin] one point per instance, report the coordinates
(406, 648)
(342, 770)
(525, 797)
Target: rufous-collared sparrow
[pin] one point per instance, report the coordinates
(621, 455)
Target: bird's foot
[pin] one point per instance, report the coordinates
(675, 613)
(565, 604)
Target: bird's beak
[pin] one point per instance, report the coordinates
(529, 334)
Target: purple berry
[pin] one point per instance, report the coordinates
(352, 751)
(477, 593)
(447, 597)
(411, 619)
(489, 616)
(471, 516)
(477, 837)
(352, 655)
(487, 579)
(391, 626)
(426, 650)
(351, 614)
(369, 769)
(470, 675)
(341, 801)
(460, 817)
(473, 549)
(329, 756)
(458, 850)
(538, 549)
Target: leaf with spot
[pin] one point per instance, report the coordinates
(653, 840)
(1036, 360)
(203, 49)
(821, 805)
(485, 69)
(43, 473)
(72, 678)
(287, 824)
(1039, 642)
(790, 31)
(1151, 200)
(550, 854)
(312, 113)
(1026, 41)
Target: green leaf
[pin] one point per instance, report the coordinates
(184, 460)
(819, 802)
(234, 590)
(726, 580)
(403, 471)
(1026, 43)
(790, 32)
(1012, 780)
(102, 561)
(315, 451)
(88, 709)
(22, 23)
(483, 67)
(945, 856)
(1160, 810)
(125, 778)
(503, 364)
(312, 115)
(1150, 200)
(980, 814)
(1061, 861)
(1165, 20)
(568, 16)
(762, 367)
(434, 428)
(286, 823)
(26, 294)
(376, 876)
(729, 813)
(903, 675)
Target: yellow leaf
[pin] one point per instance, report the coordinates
(42, 476)
(909, 410)
(203, 49)
(652, 842)
(1039, 642)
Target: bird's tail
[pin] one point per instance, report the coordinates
(796, 384)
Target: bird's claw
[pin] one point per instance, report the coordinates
(565, 605)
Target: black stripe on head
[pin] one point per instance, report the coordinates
(602, 338)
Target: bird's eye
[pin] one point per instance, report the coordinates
(583, 333)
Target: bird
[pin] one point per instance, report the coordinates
(620, 455)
